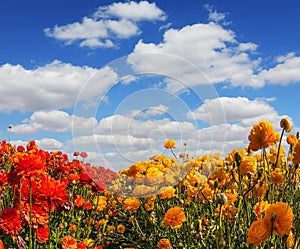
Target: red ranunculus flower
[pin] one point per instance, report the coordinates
(42, 234)
(10, 221)
(53, 191)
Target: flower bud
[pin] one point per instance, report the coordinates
(221, 199)
(285, 124)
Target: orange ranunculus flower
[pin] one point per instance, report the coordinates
(285, 124)
(100, 203)
(281, 215)
(174, 217)
(260, 190)
(29, 164)
(10, 221)
(167, 162)
(259, 231)
(42, 234)
(248, 165)
(1, 244)
(68, 242)
(276, 176)
(291, 139)
(296, 153)
(164, 244)
(53, 191)
(131, 204)
(262, 135)
(170, 144)
(230, 157)
(260, 208)
(36, 214)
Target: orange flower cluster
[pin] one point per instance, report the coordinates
(278, 219)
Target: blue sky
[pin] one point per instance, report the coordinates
(115, 79)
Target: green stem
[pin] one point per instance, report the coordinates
(173, 153)
(279, 148)
(30, 215)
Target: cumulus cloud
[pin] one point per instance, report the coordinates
(53, 86)
(209, 53)
(285, 72)
(142, 10)
(119, 124)
(112, 141)
(229, 109)
(152, 111)
(202, 54)
(108, 23)
(55, 121)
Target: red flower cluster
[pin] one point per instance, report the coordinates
(41, 183)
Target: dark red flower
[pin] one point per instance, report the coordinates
(84, 178)
(10, 221)
(20, 148)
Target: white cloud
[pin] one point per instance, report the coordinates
(213, 15)
(118, 20)
(50, 144)
(24, 129)
(226, 109)
(53, 86)
(285, 72)
(132, 11)
(55, 121)
(95, 43)
(197, 54)
(119, 124)
(123, 28)
(152, 111)
(247, 46)
(113, 141)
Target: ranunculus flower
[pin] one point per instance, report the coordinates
(42, 234)
(259, 231)
(262, 135)
(248, 165)
(170, 144)
(68, 242)
(174, 217)
(296, 153)
(131, 204)
(281, 215)
(10, 221)
(164, 244)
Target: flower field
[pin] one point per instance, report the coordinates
(249, 198)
